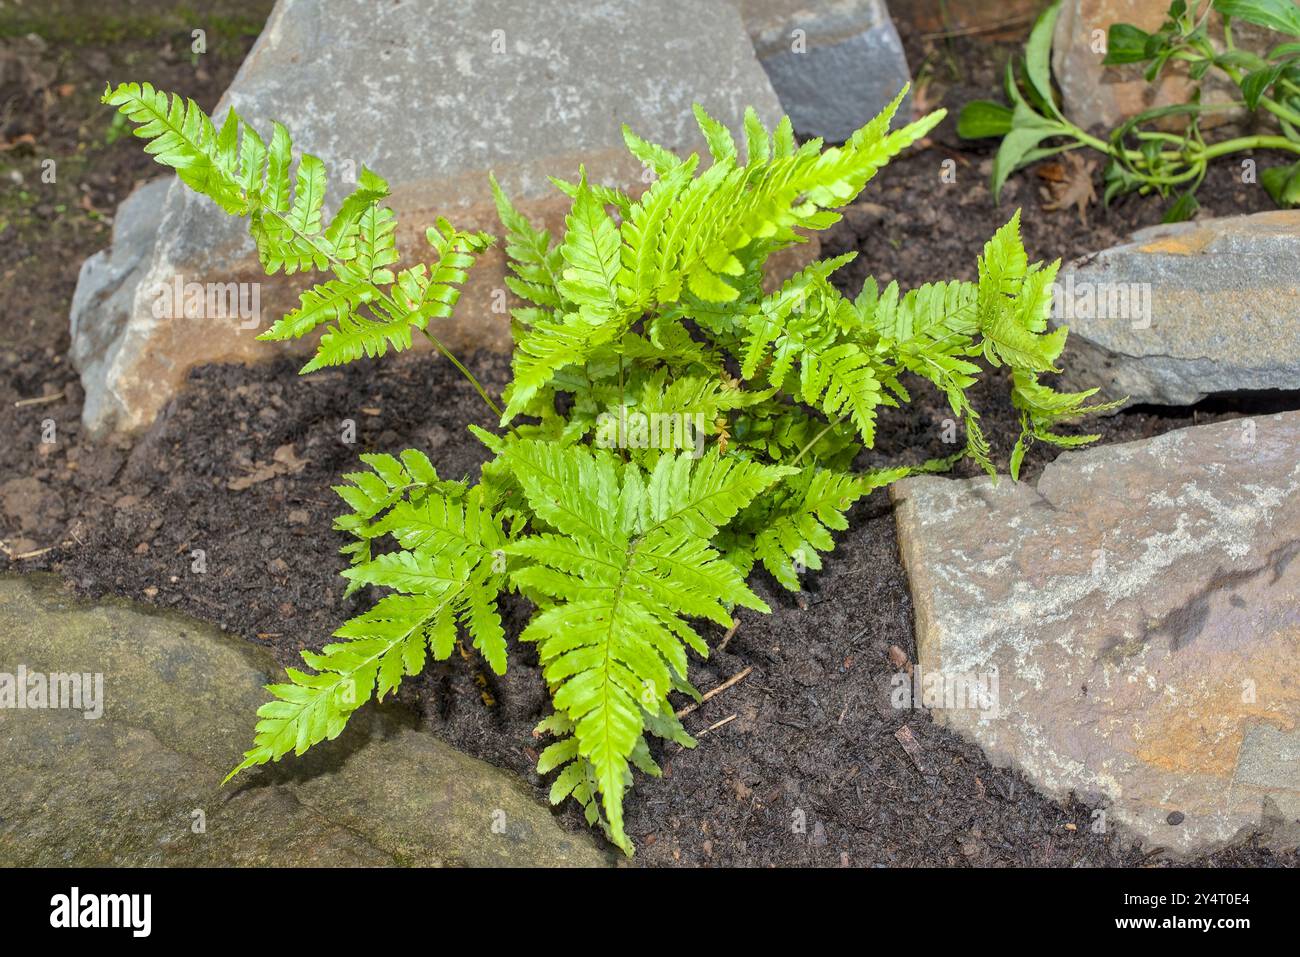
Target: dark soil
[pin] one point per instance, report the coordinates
(813, 735)
(813, 729)
(65, 163)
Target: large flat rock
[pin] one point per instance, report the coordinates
(1188, 310)
(129, 787)
(1140, 608)
(833, 63)
(432, 96)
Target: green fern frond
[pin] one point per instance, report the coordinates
(591, 253)
(536, 264)
(812, 504)
(1042, 408)
(1013, 301)
(367, 310)
(629, 558)
(449, 572)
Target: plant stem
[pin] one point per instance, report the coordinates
(815, 439)
(1251, 143)
(437, 344)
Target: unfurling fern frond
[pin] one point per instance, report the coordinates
(367, 309)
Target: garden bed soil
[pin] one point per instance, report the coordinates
(806, 737)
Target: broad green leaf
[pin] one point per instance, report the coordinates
(1125, 43)
(982, 118)
(1038, 57)
(1280, 15)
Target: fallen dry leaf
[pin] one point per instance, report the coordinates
(1070, 184)
(24, 139)
(898, 658)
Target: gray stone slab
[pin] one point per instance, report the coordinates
(833, 63)
(1140, 611)
(1185, 311)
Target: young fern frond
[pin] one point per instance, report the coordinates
(535, 262)
(628, 561)
(690, 234)
(446, 576)
(366, 308)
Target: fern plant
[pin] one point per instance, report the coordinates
(646, 306)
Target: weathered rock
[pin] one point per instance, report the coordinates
(1094, 95)
(1190, 310)
(1141, 610)
(104, 302)
(834, 63)
(1103, 96)
(141, 784)
(432, 109)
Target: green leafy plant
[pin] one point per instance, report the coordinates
(1142, 157)
(624, 534)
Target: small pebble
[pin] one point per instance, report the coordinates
(1175, 817)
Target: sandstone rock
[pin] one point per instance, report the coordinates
(1141, 611)
(834, 63)
(431, 96)
(141, 784)
(1091, 94)
(104, 300)
(1191, 310)
(1098, 96)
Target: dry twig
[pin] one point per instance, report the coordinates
(718, 690)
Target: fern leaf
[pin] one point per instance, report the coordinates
(366, 308)
(309, 196)
(325, 302)
(655, 158)
(450, 567)
(721, 144)
(813, 504)
(591, 252)
(536, 264)
(842, 381)
(758, 143)
(627, 564)
(279, 159)
(646, 275)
